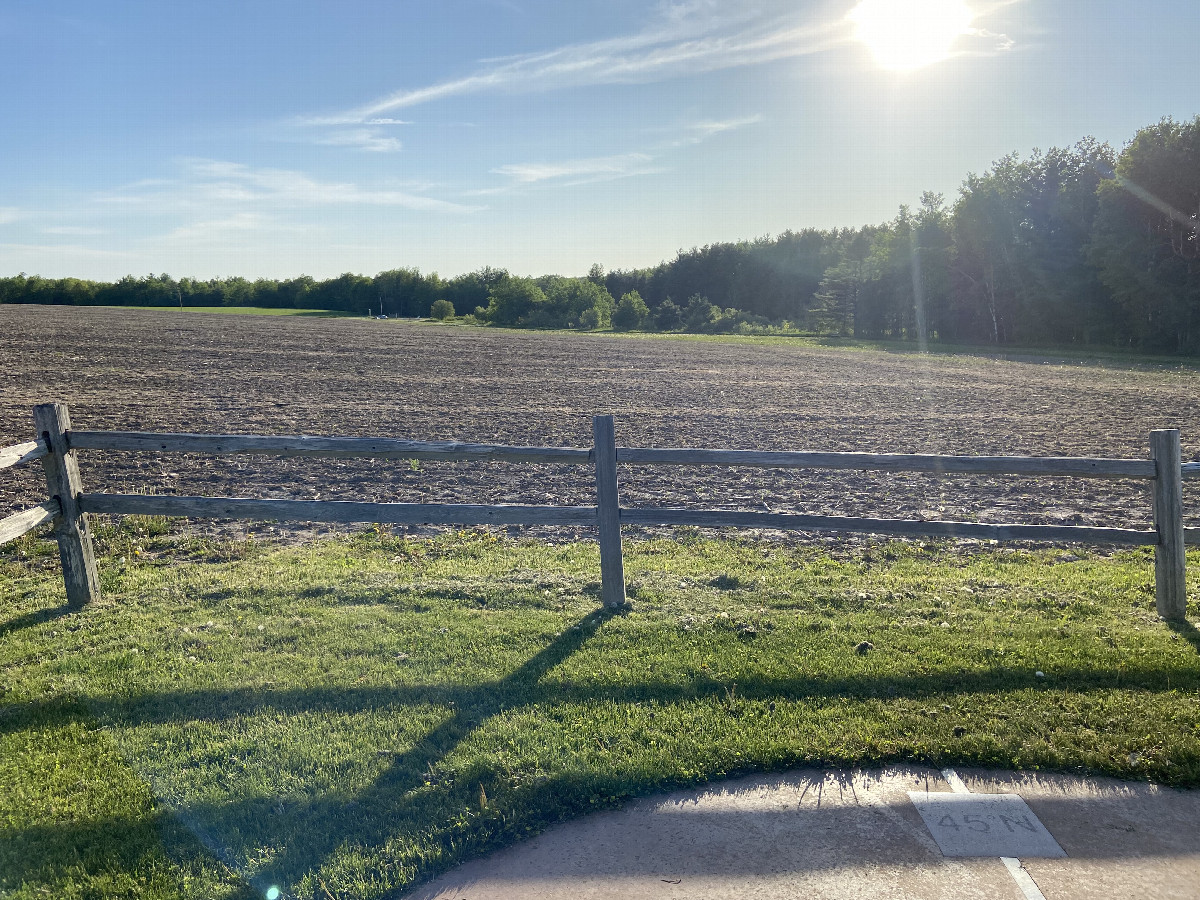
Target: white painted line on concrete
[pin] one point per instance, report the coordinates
(956, 784)
(1024, 880)
(1028, 887)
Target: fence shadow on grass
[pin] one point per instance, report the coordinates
(39, 617)
(397, 801)
(219, 705)
(1185, 630)
(393, 800)
(395, 805)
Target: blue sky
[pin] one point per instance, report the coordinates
(277, 137)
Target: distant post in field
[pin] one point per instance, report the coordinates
(71, 528)
(608, 511)
(1170, 585)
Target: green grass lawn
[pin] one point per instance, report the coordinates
(354, 716)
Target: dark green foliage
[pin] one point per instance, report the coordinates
(515, 302)
(668, 316)
(631, 312)
(406, 292)
(700, 315)
(597, 316)
(1021, 272)
(1146, 241)
(548, 302)
(575, 303)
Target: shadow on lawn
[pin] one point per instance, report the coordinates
(45, 854)
(1187, 631)
(393, 803)
(449, 817)
(50, 854)
(39, 617)
(402, 800)
(522, 688)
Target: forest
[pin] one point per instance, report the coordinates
(1079, 246)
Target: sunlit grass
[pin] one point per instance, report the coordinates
(356, 715)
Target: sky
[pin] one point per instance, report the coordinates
(273, 138)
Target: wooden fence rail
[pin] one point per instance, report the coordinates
(335, 510)
(19, 454)
(1078, 467)
(12, 527)
(69, 507)
(299, 445)
(727, 518)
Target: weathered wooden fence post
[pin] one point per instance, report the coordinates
(71, 529)
(1170, 585)
(608, 509)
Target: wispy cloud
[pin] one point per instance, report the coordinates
(982, 41)
(217, 184)
(989, 42)
(686, 39)
(698, 132)
(9, 214)
(221, 230)
(78, 230)
(621, 165)
(368, 139)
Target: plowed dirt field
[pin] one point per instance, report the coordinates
(161, 371)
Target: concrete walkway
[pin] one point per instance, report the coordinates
(815, 834)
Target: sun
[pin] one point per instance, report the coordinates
(904, 35)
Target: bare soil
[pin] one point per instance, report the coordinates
(147, 370)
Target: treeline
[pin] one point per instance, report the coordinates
(399, 292)
(1076, 245)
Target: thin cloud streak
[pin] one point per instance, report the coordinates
(210, 184)
(698, 132)
(619, 166)
(622, 165)
(220, 230)
(367, 139)
(686, 47)
(79, 230)
(1003, 43)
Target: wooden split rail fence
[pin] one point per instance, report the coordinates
(69, 506)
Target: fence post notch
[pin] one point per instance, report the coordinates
(608, 512)
(71, 528)
(1170, 584)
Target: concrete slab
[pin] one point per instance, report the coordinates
(1123, 840)
(817, 834)
(984, 825)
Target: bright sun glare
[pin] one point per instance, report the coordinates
(904, 35)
